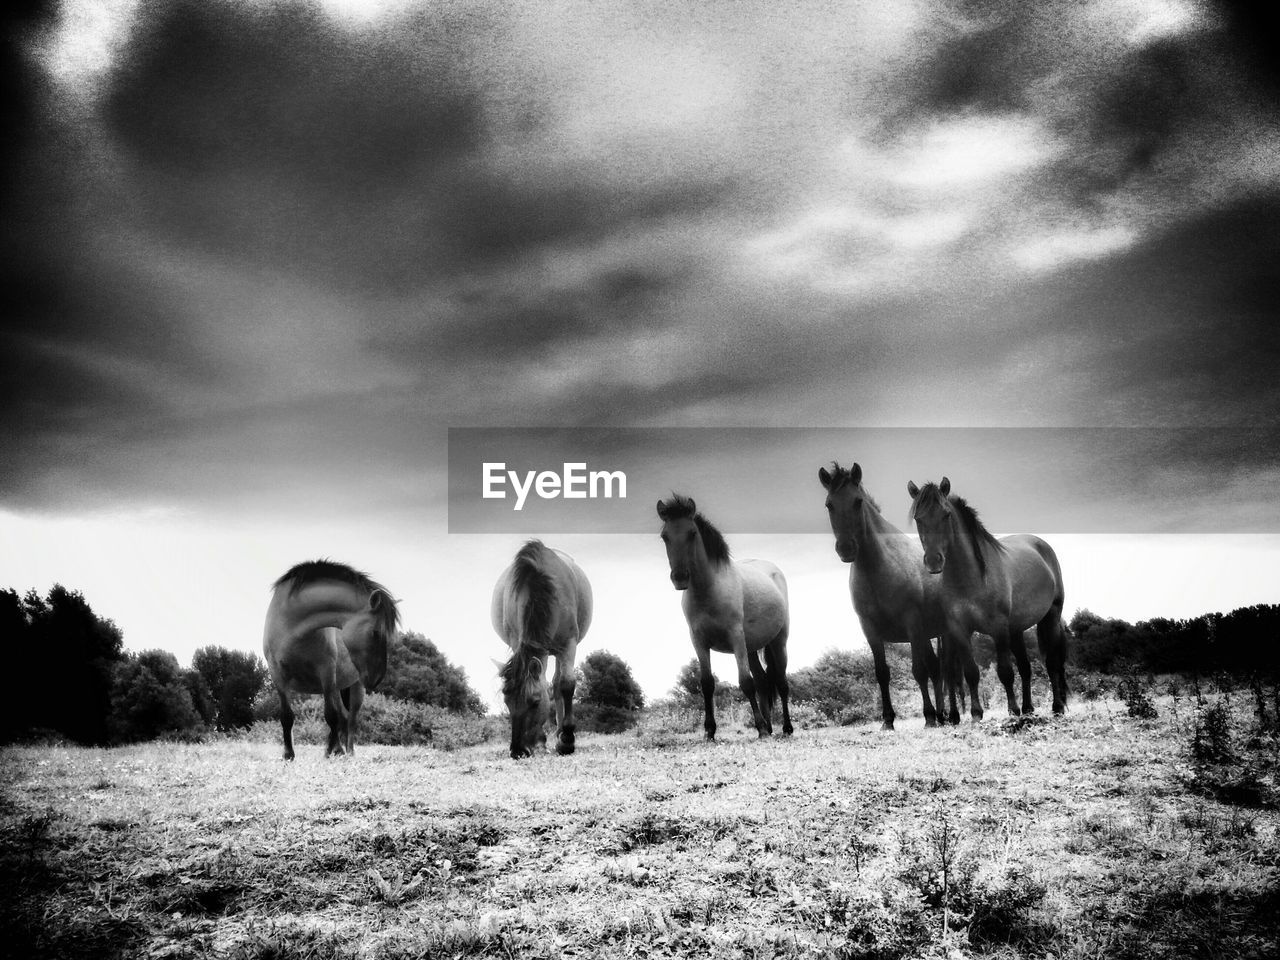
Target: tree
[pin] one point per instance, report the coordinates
(606, 681)
(841, 685)
(608, 697)
(61, 654)
(688, 688)
(418, 671)
(150, 697)
(234, 679)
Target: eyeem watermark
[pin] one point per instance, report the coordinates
(574, 482)
(544, 481)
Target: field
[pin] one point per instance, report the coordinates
(1096, 835)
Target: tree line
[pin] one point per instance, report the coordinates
(72, 677)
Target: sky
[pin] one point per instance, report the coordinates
(261, 257)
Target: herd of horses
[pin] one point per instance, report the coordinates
(328, 626)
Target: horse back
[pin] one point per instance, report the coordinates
(572, 598)
(1035, 578)
(765, 610)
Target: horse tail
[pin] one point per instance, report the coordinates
(768, 691)
(535, 592)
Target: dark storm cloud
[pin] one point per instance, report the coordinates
(256, 219)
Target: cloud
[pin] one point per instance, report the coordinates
(246, 232)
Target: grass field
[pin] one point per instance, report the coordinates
(1096, 835)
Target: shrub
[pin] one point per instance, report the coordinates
(382, 720)
(151, 697)
(1139, 704)
(841, 687)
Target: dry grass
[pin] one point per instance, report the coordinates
(1079, 837)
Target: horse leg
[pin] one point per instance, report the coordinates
(925, 668)
(352, 698)
(1019, 644)
(775, 658)
(882, 678)
(747, 683)
(1052, 638)
(335, 717)
(1004, 668)
(764, 690)
(286, 723)
(969, 667)
(949, 681)
(708, 691)
(565, 681)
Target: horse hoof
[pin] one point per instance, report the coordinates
(564, 749)
(930, 722)
(787, 729)
(887, 725)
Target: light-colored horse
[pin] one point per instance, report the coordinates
(732, 606)
(895, 599)
(326, 632)
(997, 587)
(541, 607)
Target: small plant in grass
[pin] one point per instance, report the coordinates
(393, 891)
(1137, 701)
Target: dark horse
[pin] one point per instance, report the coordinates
(895, 600)
(732, 606)
(327, 632)
(541, 607)
(997, 587)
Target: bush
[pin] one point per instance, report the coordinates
(840, 687)
(1139, 704)
(382, 720)
(418, 671)
(150, 698)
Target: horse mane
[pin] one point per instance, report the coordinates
(840, 476)
(316, 571)
(531, 579)
(971, 525)
(515, 672)
(712, 539)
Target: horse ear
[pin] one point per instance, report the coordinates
(662, 510)
(913, 489)
(824, 478)
(376, 600)
(855, 473)
(944, 487)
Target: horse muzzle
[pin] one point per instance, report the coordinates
(680, 579)
(935, 564)
(846, 553)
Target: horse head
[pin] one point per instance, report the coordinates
(524, 690)
(845, 499)
(368, 633)
(680, 536)
(932, 513)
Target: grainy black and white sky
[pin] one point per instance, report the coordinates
(259, 256)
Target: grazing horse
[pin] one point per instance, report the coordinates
(327, 632)
(541, 607)
(895, 600)
(732, 606)
(997, 587)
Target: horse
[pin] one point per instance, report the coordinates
(541, 607)
(327, 631)
(997, 587)
(732, 606)
(896, 602)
